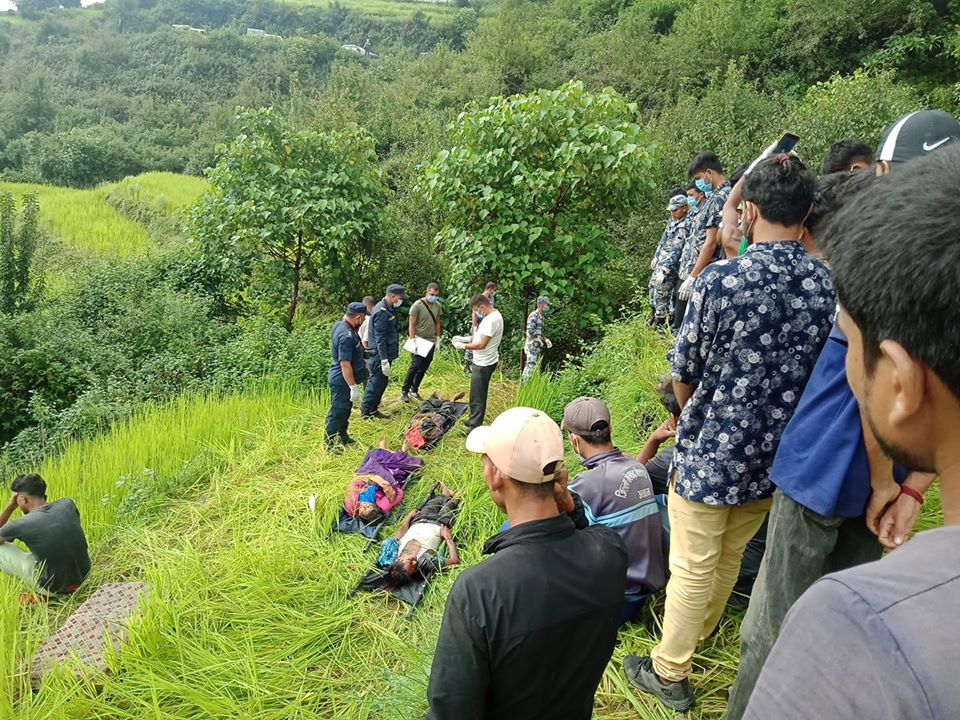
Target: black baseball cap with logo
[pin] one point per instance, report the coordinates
(918, 133)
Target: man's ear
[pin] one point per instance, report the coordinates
(496, 483)
(908, 382)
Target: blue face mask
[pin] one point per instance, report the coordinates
(433, 298)
(398, 303)
(692, 201)
(702, 185)
(478, 316)
(547, 309)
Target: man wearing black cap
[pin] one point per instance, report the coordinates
(384, 340)
(345, 372)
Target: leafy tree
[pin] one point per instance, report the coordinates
(31, 107)
(860, 105)
(308, 200)
(19, 281)
(530, 183)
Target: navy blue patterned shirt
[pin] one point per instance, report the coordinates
(751, 335)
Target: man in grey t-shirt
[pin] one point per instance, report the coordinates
(57, 561)
(882, 641)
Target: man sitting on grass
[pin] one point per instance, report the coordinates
(57, 561)
(414, 546)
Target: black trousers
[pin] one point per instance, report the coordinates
(418, 368)
(479, 385)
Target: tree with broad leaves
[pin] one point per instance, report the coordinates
(306, 199)
(530, 184)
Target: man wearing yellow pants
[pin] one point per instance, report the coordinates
(751, 334)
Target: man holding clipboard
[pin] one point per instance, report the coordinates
(424, 333)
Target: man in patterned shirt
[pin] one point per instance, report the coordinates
(704, 246)
(536, 341)
(663, 280)
(749, 340)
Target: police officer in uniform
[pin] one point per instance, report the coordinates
(346, 371)
(384, 341)
(536, 341)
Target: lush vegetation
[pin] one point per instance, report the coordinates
(164, 361)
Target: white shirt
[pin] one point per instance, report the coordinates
(492, 327)
(425, 533)
(364, 330)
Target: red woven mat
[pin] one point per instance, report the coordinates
(85, 634)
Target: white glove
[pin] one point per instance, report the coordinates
(659, 275)
(461, 339)
(686, 288)
(546, 341)
(354, 394)
(385, 367)
(459, 344)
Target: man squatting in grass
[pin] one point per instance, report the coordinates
(528, 632)
(751, 334)
(880, 641)
(839, 499)
(57, 559)
(616, 492)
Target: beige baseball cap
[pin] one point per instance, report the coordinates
(581, 415)
(521, 442)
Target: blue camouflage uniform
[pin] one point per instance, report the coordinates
(345, 345)
(666, 260)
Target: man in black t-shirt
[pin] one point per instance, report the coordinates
(57, 561)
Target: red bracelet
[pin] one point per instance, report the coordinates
(905, 490)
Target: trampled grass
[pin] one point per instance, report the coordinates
(249, 614)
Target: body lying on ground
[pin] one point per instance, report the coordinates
(377, 485)
(416, 544)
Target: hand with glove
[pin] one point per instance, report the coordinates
(354, 394)
(460, 341)
(686, 288)
(659, 275)
(546, 341)
(385, 367)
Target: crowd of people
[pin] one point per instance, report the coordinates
(813, 396)
(815, 381)
(366, 344)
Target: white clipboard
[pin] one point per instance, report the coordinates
(419, 346)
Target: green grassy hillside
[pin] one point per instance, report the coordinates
(248, 615)
(392, 9)
(104, 220)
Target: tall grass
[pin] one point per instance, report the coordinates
(392, 9)
(84, 221)
(248, 614)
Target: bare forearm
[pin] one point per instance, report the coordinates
(649, 451)
(7, 512)
(706, 252)
(453, 557)
(683, 392)
(920, 481)
(412, 326)
(347, 370)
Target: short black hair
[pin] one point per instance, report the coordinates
(693, 186)
(842, 154)
(30, 484)
(782, 188)
(599, 434)
(480, 300)
(433, 286)
(833, 192)
(490, 286)
(664, 388)
(738, 173)
(369, 300)
(703, 162)
(535, 490)
(894, 255)
(396, 575)
(376, 515)
(678, 190)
